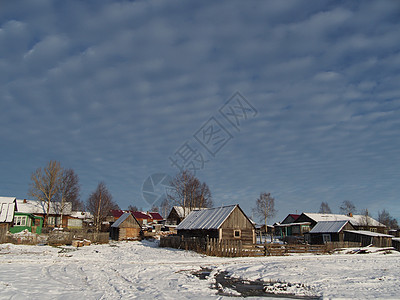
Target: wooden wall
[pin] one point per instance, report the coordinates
(237, 220)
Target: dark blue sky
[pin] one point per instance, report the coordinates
(116, 89)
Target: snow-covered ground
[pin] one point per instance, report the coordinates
(141, 270)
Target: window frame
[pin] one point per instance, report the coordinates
(237, 231)
(22, 220)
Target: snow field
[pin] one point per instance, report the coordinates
(141, 270)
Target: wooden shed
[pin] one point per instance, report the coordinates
(367, 238)
(328, 231)
(224, 223)
(125, 228)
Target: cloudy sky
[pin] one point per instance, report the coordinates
(297, 98)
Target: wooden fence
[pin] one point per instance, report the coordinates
(235, 248)
(3, 232)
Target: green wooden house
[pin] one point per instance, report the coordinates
(27, 221)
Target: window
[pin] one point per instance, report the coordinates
(53, 220)
(326, 238)
(236, 234)
(20, 221)
(372, 229)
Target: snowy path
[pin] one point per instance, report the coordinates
(137, 270)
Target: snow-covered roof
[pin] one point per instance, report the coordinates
(369, 233)
(120, 220)
(210, 218)
(329, 226)
(7, 208)
(183, 212)
(291, 224)
(81, 214)
(38, 207)
(355, 220)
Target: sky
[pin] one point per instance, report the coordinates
(300, 99)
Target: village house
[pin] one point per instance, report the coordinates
(328, 231)
(57, 215)
(26, 221)
(288, 227)
(126, 227)
(223, 223)
(359, 222)
(177, 214)
(80, 220)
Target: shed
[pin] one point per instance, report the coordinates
(368, 238)
(125, 228)
(328, 231)
(224, 223)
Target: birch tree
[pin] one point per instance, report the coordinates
(45, 185)
(265, 207)
(324, 208)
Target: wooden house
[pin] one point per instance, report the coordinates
(57, 216)
(125, 228)
(223, 223)
(155, 218)
(177, 214)
(328, 231)
(26, 221)
(288, 227)
(359, 222)
(142, 218)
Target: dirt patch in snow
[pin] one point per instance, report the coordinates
(226, 285)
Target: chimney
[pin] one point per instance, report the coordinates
(350, 215)
(24, 200)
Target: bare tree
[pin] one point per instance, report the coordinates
(347, 207)
(154, 208)
(69, 191)
(385, 218)
(45, 185)
(188, 192)
(99, 203)
(165, 208)
(265, 207)
(133, 208)
(365, 221)
(324, 208)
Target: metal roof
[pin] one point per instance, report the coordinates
(211, 218)
(155, 216)
(355, 220)
(369, 233)
(7, 208)
(329, 226)
(120, 220)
